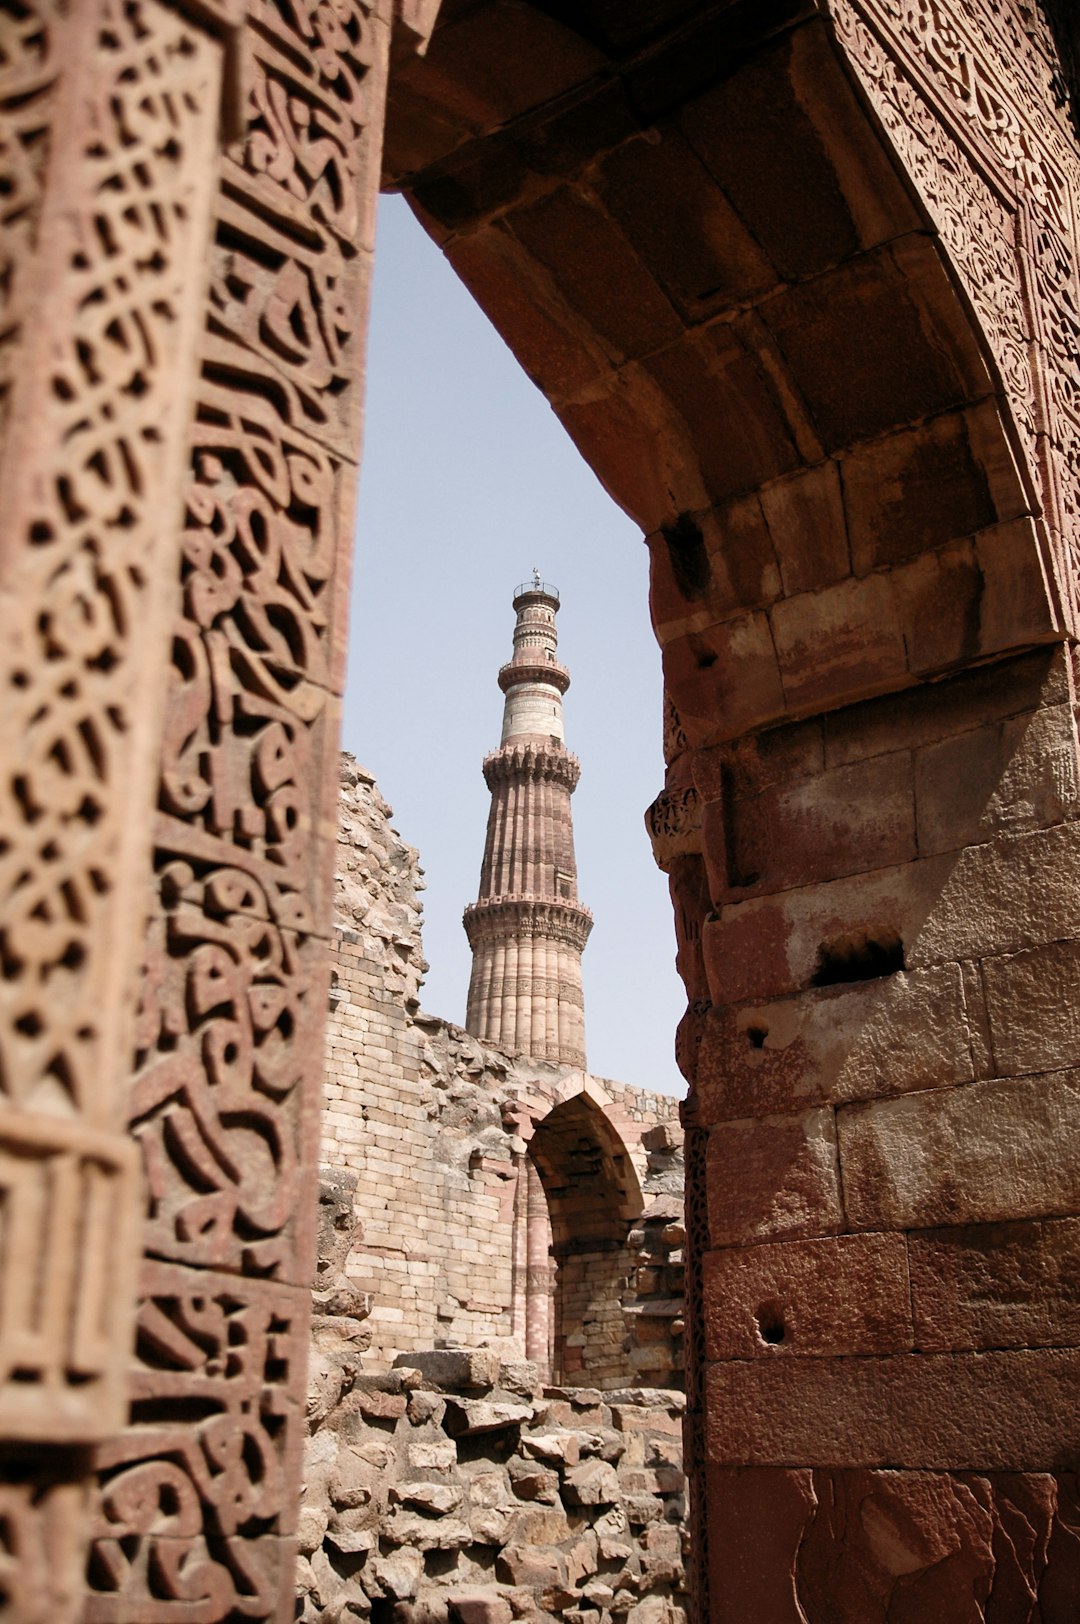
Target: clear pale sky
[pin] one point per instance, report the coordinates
(468, 481)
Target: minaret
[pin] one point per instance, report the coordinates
(527, 928)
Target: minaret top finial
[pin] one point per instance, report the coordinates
(536, 577)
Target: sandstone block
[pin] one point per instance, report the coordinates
(380, 1406)
(846, 820)
(465, 1416)
(847, 1294)
(805, 516)
(774, 1177)
(524, 1565)
(759, 1518)
(769, 947)
(1006, 777)
(398, 1574)
(1033, 1006)
(592, 1483)
(564, 1447)
(534, 1483)
(479, 1607)
(724, 679)
(983, 1153)
(1015, 891)
(492, 1527)
(540, 1525)
(426, 1533)
(996, 1285)
(431, 1454)
(1015, 1411)
(435, 1498)
(892, 1035)
(454, 1367)
(642, 1508)
(839, 643)
(914, 490)
(351, 1541)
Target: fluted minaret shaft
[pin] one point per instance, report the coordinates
(527, 928)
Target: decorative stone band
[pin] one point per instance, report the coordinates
(673, 823)
(509, 918)
(516, 672)
(516, 763)
(70, 1214)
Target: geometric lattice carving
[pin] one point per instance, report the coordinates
(197, 1499)
(969, 92)
(109, 117)
(188, 1524)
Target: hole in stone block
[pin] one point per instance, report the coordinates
(688, 556)
(755, 1036)
(770, 1322)
(858, 958)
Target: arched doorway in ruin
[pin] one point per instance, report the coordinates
(576, 1283)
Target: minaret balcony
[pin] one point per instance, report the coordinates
(549, 672)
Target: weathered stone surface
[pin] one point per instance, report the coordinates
(479, 1607)
(989, 1411)
(985, 1152)
(848, 1294)
(398, 1574)
(1009, 776)
(1013, 892)
(564, 1447)
(841, 821)
(769, 947)
(435, 1498)
(528, 1567)
(996, 1285)
(772, 1178)
(534, 1483)
(465, 1416)
(593, 1483)
(454, 1367)
(1033, 1008)
(893, 1035)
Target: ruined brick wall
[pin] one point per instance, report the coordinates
(456, 1490)
(436, 1127)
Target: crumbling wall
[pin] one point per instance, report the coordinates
(436, 1128)
(455, 1490)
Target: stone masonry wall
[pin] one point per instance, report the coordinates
(455, 1490)
(436, 1127)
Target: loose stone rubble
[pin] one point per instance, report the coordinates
(455, 1489)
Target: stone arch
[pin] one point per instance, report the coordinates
(777, 272)
(593, 1196)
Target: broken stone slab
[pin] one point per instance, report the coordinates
(531, 1482)
(479, 1607)
(425, 1407)
(398, 1575)
(426, 1533)
(532, 1569)
(564, 1447)
(520, 1376)
(593, 1483)
(466, 1416)
(435, 1498)
(351, 1541)
(453, 1368)
(431, 1454)
(492, 1526)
